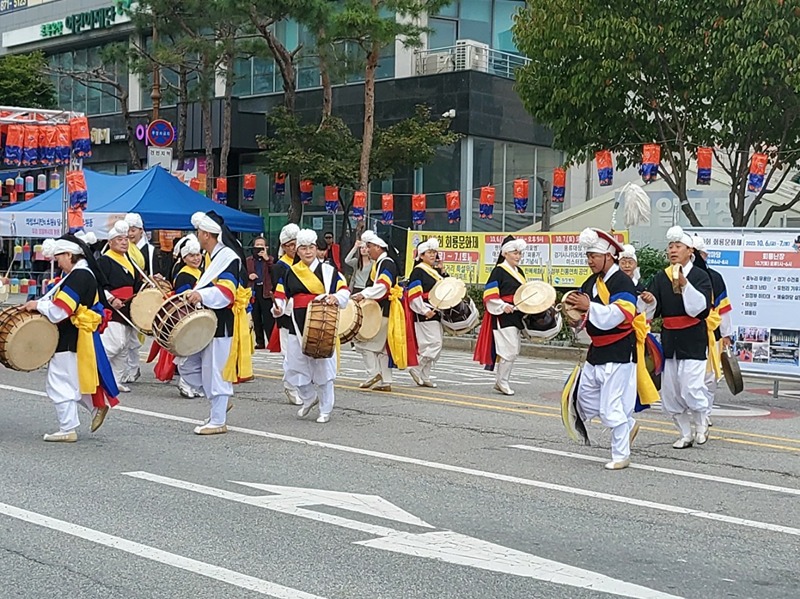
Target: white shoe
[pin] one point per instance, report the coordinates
(430, 384)
(323, 418)
(618, 465)
(186, 391)
(210, 430)
(503, 389)
(123, 389)
(417, 379)
(292, 397)
(62, 437)
(303, 412)
(701, 437)
(683, 443)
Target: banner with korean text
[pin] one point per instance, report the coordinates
(761, 268)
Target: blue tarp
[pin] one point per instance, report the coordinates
(160, 198)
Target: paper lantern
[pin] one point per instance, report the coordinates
(520, 195)
(15, 140)
(331, 199)
(704, 166)
(55, 180)
(453, 199)
(47, 145)
(651, 158)
(76, 187)
(19, 184)
(419, 203)
(23, 286)
(487, 202)
(26, 251)
(306, 191)
(29, 180)
(32, 287)
(194, 184)
(41, 182)
(81, 139)
(605, 167)
(63, 144)
(359, 204)
(249, 188)
(559, 185)
(15, 285)
(30, 149)
(29, 195)
(75, 220)
(280, 183)
(387, 208)
(9, 183)
(221, 195)
(758, 168)
(17, 253)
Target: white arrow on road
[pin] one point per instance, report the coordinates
(446, 546)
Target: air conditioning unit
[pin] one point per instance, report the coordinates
(435, 62)
(472, 56)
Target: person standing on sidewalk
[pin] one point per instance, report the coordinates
(259, 272)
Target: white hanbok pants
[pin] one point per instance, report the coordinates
(306, 374)
(118, 340)
(63, 388)
(132, 360)
(284, 337)
(204, 370)
(683, 394)
(375, 354)
(429, 347)
(507, 342)
(608, 391)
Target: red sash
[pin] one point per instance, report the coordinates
(680, 322)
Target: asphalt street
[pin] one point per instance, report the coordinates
(453, 492)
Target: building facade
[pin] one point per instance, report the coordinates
(465, 69)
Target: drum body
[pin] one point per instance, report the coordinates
(573, 315)
(27, 339)
(183, 329)
(543, 326)
(349, 321)
(144, 306)
(371, 320)
(462, 318)
(320, 330)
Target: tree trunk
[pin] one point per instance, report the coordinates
(295, 212)
(285, 61)
(325, 76)
(136, 162)
(208, 142)
(226, 113)
(369, 117)
(183, 113)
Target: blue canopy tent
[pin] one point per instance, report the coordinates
(160, 198)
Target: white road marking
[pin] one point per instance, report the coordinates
(650, 505)
(230, 577)
(446, 546)
(684, 473)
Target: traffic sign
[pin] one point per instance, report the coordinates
(159, 156)
(160, 133)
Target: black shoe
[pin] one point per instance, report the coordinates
(260, 346)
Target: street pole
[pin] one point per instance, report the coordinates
(155, 94)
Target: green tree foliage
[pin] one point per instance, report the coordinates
(651, 260)
(617, 74)
(24, 81)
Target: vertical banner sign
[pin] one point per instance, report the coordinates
(487, 202)
(651, 158)
(453, 199)
(331, 199)
(520, 195)
(704, 156)
(387, 209)
(758, 167)
(559, 185)
(359, 205)
(222, 190)
(761, 268)
(605, 167)
(306, 191)
(419, 204)
(249, 187)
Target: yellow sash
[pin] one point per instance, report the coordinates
(713, 320)
(396, 335)
(648, 394)
(135, 254)
(431, 271)
(309, 280)
(513, 272)
(86, 321)
(191, 270)
(122, 260)
(239, 365)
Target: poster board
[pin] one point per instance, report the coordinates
(552, 257)
(761, 268)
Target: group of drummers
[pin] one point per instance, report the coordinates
(103, 307)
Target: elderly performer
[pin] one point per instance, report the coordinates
(214, 368)
(381, 287)
(287, 255)
(683, 294)
(121, 283)
(718, 322)
(498, 342)
(629, 264)
(141, 254)
(427, 322)
(309, 280)
(79, 371)
(608, 380)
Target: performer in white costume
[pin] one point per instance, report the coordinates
(427, 322)
(141, 252)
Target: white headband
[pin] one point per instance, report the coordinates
(190, 245)
(432, 243)
(54, 247)
(134, 220)
(628, 251)
(592, 243)
(515, 245)
(120, 229)
(699, 243)
(203, 222)
(289, 233)
(371, 237)
(677, 234)
(306, 237)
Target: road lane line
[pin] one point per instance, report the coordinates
(650, 505)
(684, 473)
(194, 566)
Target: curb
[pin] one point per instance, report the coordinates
(529, 350)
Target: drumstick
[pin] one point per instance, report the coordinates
(126, 319)
(148, 279)
(531, 295)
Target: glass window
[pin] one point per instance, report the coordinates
(263, 75)
(451, 10)
(244, 79)
(444, 33)
(502, 21)
(475, 21)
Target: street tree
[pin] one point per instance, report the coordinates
(615, 75)
(24, 81)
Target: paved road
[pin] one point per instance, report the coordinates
(418, 493)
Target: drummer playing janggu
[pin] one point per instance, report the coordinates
(79, 371)
(307, 281)
(499, 340)
(427, 321)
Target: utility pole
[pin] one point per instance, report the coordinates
(155, 94)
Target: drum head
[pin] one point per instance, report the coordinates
(372, 317)
(535, 297)
(144, 306)
(447, 293)
(573, 315)
(347, 318)
(31, 343)
(193, 333)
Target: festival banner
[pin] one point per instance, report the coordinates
(460, 253)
